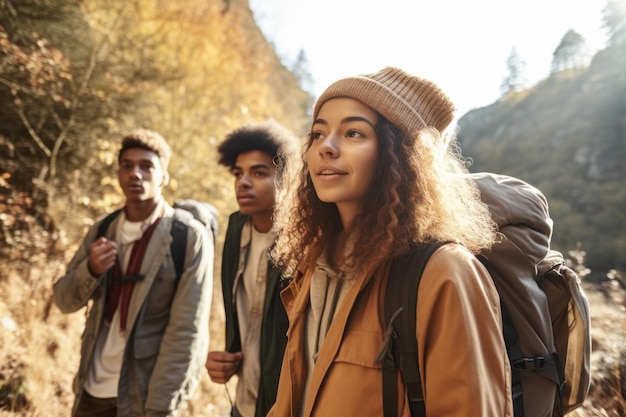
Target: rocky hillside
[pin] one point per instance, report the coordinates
(567, 136)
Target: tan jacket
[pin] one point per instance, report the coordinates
(463, 360)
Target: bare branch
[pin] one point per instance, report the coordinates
(93, 61)
(16, 86)
(33, 132)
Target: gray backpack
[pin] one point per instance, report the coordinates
(545, 315)
(204, 212)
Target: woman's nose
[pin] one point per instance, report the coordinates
(328, 146)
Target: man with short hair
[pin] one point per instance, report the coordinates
(146, 336)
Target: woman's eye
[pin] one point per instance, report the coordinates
(353, 134)
(316, 135)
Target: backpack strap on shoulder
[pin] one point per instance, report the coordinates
(179, 239)
(102, 231)
(106, 222)
(514, 350)
(399, 351)
(178, 246)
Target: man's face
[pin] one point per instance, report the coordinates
(141, 175)
(254, 174)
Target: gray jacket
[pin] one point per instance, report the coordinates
(168, 319)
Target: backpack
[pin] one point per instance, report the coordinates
(201, 211)
(546, 320)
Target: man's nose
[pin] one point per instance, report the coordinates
(135, 172)
(244, 181)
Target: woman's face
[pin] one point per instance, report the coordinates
(343, 154)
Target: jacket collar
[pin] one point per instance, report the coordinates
(296, 300)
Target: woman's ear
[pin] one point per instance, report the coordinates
(166, 179)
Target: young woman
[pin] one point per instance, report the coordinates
(378, 174)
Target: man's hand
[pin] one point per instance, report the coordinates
(102, 254)
(222, 365)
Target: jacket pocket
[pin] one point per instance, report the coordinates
(355, 370)
(158, 301)
(360, 347)
(147, 346)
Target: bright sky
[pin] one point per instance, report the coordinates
(461, 45)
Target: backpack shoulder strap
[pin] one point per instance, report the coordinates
(400, 349)
(178, 246)
(205, 212)
(106, 222)
(569, 312)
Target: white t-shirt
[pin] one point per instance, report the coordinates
(250, 299)
(104, 373)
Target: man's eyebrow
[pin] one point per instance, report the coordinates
(256, 166)
(143, 160)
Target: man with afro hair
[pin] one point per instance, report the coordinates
(256, 321)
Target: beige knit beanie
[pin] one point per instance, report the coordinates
(409, 102)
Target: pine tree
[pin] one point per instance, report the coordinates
(571, 53)
(514, 80)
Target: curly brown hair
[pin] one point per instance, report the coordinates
(419, 192)
(268, 136)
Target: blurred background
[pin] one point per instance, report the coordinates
(538, 98)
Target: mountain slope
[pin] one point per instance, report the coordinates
(567, 136)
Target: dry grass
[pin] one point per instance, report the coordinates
(39, 349)
(607, 396)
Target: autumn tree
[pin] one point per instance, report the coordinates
(68, 86)
(48, 103)
(216, 72)
(75, 75)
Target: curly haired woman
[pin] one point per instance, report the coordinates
(379, 174)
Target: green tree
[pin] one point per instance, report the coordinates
(571, 53)
(614, 21)
(514, 79)
(301, 70)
